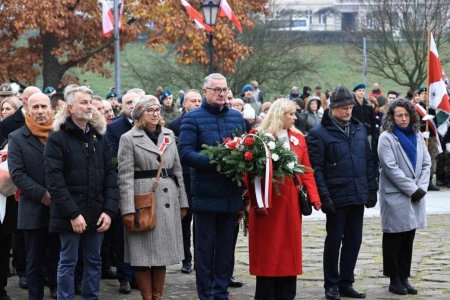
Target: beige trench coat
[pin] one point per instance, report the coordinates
(164, 245)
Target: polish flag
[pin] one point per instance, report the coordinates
(437, 90)
(226, 11)
(108, 17)
(196, 16)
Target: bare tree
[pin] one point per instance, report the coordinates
(397, 37)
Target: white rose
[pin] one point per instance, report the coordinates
(275, 157)
(271, 145)
(291, 165)
(269, 135)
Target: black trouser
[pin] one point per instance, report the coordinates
(19, 254)
(5, 245)
(186, 222)
(275, 288)
(397, 253)
(343, 228)
(125, 272)
(36, 243)
(236, 233)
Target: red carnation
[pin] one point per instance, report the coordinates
(253, 131)
(249, 141)
(248, 155)
(232, 145)
(226, 140)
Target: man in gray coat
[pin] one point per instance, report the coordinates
(26, 165)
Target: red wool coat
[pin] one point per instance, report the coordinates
(275, 240)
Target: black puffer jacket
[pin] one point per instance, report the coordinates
(343, 166)
(79, 173)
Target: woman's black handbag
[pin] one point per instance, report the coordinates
(305, 206)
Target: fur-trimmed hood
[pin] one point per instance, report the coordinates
(98, 121)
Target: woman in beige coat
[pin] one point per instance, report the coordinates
(138, 158)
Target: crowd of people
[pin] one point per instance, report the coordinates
(78, 162)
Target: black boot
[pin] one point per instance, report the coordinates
(431, 186)
(397, 287)
(411, 290)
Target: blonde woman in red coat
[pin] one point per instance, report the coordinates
(275, 233)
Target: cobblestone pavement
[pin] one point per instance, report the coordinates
(430, 267)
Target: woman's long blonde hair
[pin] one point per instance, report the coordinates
(274, 120)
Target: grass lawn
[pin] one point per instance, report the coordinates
(335, 64)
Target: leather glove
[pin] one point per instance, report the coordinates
(128, 221)
(419, 194)
(372, 201)
(328, 206)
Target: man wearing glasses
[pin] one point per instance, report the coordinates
(215, 198)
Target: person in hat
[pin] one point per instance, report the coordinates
(168, 110)
(139, 157)
(49, 91)
(430, 135)
(247, 97)
(311, 116)
(5, 91)
(346, 179)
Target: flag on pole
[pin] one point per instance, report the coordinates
(196, 16)
(427, 118)
(226, 11)
(108, 17)
(437, 90)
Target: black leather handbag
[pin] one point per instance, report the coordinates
(303, 199)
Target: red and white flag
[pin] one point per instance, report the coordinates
(438, 96)
(226, 11)
(196, 16)
(108, 17)
(423, 115)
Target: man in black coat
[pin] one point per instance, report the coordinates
(192, 100)
(346, 180)
(82, 183)
(8, 125)
(119, 126)
(25, 162)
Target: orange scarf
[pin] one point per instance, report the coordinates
(38, 130)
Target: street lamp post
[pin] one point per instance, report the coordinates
(210, 8)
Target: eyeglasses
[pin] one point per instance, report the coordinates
(401, 116)
(153, 111)
(218, 90)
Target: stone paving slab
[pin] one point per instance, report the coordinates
(430, 268)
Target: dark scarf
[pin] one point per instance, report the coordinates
(344, 126)
(153, 135)
(408, 141)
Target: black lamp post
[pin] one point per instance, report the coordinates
(210, 8)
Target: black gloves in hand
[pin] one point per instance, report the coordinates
(328, 206)
(419, 194)
(372, 201)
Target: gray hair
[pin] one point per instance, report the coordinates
(138, 91)
(211, 77)
(72, 89)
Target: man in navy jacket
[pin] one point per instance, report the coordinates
(215, 198)
(340, 154)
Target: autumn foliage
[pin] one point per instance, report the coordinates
(49, 37)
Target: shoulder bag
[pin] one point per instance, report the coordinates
(145, 206)
(303, 199)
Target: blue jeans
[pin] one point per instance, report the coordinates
(91, 244)
(214, 233)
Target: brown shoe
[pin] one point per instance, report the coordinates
(125, 288)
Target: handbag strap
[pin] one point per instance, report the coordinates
(296, 182)
(158, 174)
